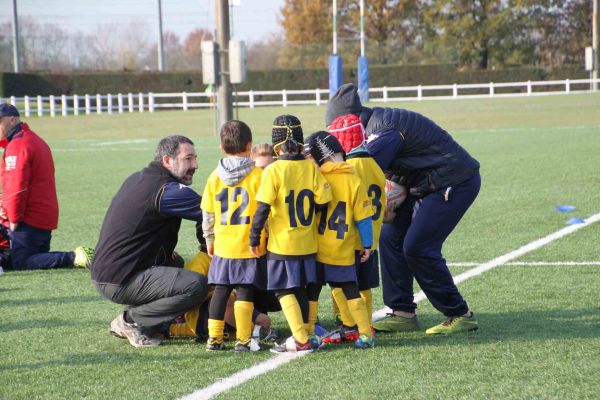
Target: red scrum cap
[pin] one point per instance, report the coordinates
(349, 131)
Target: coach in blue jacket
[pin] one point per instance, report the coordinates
(443, 181)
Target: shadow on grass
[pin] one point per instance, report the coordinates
(523, 326)
(34, 324)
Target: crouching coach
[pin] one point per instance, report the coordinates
(135, 251)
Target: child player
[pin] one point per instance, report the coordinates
(228, 204)
(262, 154)
(343, 222)
(290, 189)
(350, 133)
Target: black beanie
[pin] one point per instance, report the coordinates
(344, 101)
(322, 145)
(286, 127)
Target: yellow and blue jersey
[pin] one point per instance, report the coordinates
(373, 179)
(350, 203)
(233, 207)
(292, 188)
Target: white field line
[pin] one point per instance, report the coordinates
(531, 263)
(243, 376)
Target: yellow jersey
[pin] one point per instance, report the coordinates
(291, 188)
(373, 179)
(337, 232)
(234, 207)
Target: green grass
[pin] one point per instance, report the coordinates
(539, 335)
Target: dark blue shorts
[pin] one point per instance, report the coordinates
(238, 271)
(291, 273)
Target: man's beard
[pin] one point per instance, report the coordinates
(183, 176)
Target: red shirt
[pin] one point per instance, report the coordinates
(28, 186)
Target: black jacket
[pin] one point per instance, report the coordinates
(134, 235)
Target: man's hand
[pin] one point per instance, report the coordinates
(210, 249)
(255, 250)
(13, 226)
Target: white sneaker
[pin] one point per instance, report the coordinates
(131, 332)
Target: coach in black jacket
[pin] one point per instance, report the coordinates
(135, 250)
(443, 181)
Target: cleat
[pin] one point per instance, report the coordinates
(454, 324)
(83, 257)
(343, 334)
(212, 344)
(395, 323)
(265, 335)
(291, 346)
(365, 342)
(315, 342)
(250, 345)
(124, 330)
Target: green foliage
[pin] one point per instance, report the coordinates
(174, 82)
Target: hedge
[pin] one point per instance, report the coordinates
(33, 84)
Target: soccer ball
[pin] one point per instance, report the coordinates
(395, 195)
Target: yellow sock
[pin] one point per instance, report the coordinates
(342, 302)
(359, 313)
(293, 315)
(191, 319)
(334, 306)
(313, 313)
(215, 329)
(243, 319)
(367, 296)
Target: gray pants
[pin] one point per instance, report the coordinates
(158, 295)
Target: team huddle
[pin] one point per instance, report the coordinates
(321, 224)
(277, 222)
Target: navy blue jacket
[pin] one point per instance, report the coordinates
(413, 146)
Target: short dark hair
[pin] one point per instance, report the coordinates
(235, 136)
(169, 146)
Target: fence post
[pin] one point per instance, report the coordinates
(491, 89)
(63, 105)
(419, 92)
(385, 94)
(88, 107)
(40, 106)
(284, 97)
(317, 97)
(150, 102)
(13, 101)
(75, 104)
(130, 102)
(141, 102)
(27, 106)
(567, 86)
(52, 106)
(109, 103)
(120, 103)
(98, 104)
(184, 100)
(528, 88)
(455, 90)
(251, 98)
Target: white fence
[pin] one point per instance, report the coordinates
(150, 102)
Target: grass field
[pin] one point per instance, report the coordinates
(539, 335)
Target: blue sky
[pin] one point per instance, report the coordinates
(252, 20)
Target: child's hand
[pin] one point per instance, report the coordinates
(210, 249)
(364, 255)
(255, 250)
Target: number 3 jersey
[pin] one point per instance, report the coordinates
(373, 178)
(338, 234)
(292, 187)
(233, 205)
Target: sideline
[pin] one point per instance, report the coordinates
(241, 377)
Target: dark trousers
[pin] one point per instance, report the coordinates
(411, 247)
(30, 249)
(158, 295)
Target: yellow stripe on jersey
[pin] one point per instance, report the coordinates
(374, 180)
(233, 207)
(350, 203)
(291, 188)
